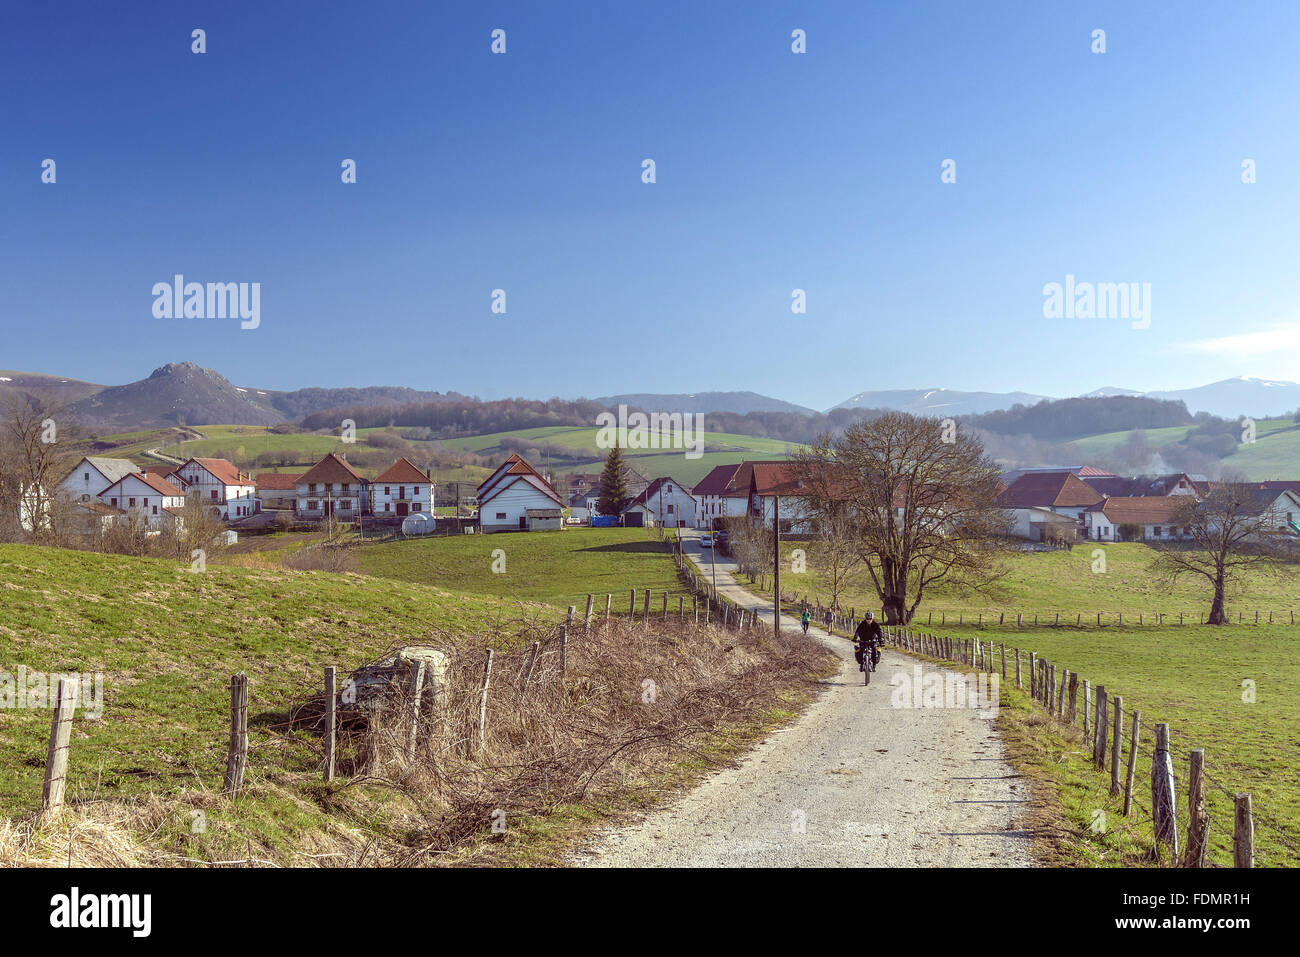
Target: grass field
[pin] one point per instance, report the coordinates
(558, 568)
(1191, 678)
(167, 641)
(1047, 583)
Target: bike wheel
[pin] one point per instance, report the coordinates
(866, 669)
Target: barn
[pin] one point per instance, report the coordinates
(518, 498)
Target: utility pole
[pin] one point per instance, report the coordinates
(776, 565)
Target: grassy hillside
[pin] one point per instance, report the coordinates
(1275, 453)
(167, 641)
(584, 455)
(558, 568)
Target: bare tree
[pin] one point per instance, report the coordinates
(1230, 530)
(835, 554)
(920, 497)
(34, 458)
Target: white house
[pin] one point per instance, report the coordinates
(92, 475)
(1035, 498)
(332, 487)
(401, 490)
(517, 498)
(1137, 518)
(149, 498)
(719, 497)
(665, 503)
(216, 482)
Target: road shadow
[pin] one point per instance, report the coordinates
(654, 547)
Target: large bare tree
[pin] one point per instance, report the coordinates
(919, 499)
(1230, 529)
(35, 456)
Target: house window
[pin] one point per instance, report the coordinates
(388, 507)
(346, 505)
(214, 495)
(155, 509)
(85, 476)
(146, 502)
(668, 488)
(670, 509)
(133, 503)
(345, 488)
(114, 501)
(501, 515)
(415, 507)
(311, 487)
(415, 490)
(311, 505)
(388, 490)
(1156, 531)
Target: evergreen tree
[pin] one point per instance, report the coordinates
(613, 484)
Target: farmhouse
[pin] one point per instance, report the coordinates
(517, 498)
(665, 503)
(1136, 518)
(331, 487)
(149, 499)
(767, 484)
(92, 475)
(1045, 504)
(230, 493)
(401, 489)
(719, 496)
(278, 489)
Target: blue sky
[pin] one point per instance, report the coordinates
(775, 171)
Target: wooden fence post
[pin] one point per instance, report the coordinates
(532, 662)
(56, 755)
(1198, 821)
(1115, 744)
(1060, 693)
(564, 645)
(237, 754)
(1004, 660)
(1099, 736)
(1136, 721)
(482, 707)
(1243, 833)
(1033, 675)
(664, 615)
(1018, 684)
(1087, 688)
(331, 722)
(416, 688)
(609, 598)
(587, 621)
(631, 605)
(1074, 697)
(645, 614)
(1163, 796)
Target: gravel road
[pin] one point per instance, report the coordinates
(854, 782)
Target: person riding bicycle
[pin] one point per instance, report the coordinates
(868, 637)
(804, 620)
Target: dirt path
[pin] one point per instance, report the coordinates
(853, 782)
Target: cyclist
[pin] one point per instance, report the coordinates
(868, 637)
(804, 620)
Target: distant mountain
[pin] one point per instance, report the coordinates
(54, 388)
(1105, 392)
(738, 402)
(1243, 395)
(179, 393)
(943, 402)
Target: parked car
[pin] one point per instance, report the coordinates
(706, 541)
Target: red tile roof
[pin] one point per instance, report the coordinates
(278, 481)
(720, 481)
(403, 470)
(1144, 509)
(333, 469)
(224, 471)
(1048, 489)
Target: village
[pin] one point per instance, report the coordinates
(1049, 506)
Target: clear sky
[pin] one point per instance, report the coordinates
(775, 171)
